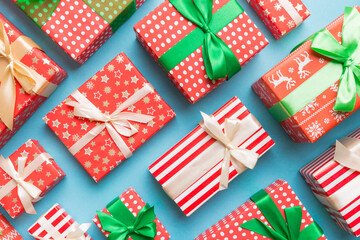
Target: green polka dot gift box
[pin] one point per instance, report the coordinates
(79, 27)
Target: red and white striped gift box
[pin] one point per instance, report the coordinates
(328, 178)
(55, 224)
(185, 157)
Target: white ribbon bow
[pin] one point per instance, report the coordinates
(347, 153)
(238, 156)
(116, 123)
(76, 233)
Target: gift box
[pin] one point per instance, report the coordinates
(334, 178)
(58, 224)
(7, 230)
(273, 213)
(307, 92)
(223, 146)
(109, 116)
(26, 176)
(33, 77)
(280, 16)
(177, 44)
(79, 27)
(131, 211)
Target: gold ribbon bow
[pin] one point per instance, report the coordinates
(76, 233)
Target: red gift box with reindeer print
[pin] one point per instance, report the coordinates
(300, 72)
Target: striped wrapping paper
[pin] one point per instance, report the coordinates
(327, 177)
(184, 154)
(54, 224)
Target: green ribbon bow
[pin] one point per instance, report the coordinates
(220, 62)
(282, 229)
(122, 224)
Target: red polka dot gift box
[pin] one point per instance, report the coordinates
(79, 27)
(106, 119)
(199, 50)
(334, 177)
(26, 177)
(28, 77)
(7, 231)
(314, 88)
(280, 16)
(273, 213)
(58, 224)
(129, 217)
(223, 146)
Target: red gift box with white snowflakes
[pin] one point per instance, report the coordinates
(48, 75)
(295, 72)
(109, 117)
(134, 203)
(230, 227)
(280, 16)
(79, 27)
(191, 171)
(27, 168)
(7, 230)
(58, 224)
(165, 27)
(335, 181)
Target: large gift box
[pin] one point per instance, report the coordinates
(273, 213)
(334, 177)
(7, 231)
(58, 224)
(129, 217)
(109, 117)
(223, 146)
(314, 88)
(28, 77)
(25, 178)
(280, 16)
(79, 27)
(199, 51)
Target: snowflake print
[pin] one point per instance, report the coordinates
(291, 70)
(315, 130)
(278, 6)
(310, 107)
(338, 115)
(89, 85)
(334, 87)
(321, 60)
(326, 121)
(291, 24)
(120, 59)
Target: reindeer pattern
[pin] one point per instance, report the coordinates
(281, 78)
(302, 63)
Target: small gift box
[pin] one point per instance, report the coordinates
(57, 224)
(223, 145)
(7, 231)
(280, 16)
(334, 177)
(79, 27)
(273, 213)
(315, 87)
(128, 217)
(26, 176)
(199, 50)
(28, 77)
(109, 116)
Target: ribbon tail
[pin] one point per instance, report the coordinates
(244, 157)
(225, 171)
(232, 63)
(8, 97)
(311, 232)
(120, 143)
(346, 157)
(78, 232)
(293, 217)
(214, 57)
(26, 200)
(255, 225)
(346, 97)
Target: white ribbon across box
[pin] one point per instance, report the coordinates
(221, 147)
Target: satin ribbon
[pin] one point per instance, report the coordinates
(289, 8)
(238, 156)
(282, 229)
(117, 124)
(122, 224)
(76, 233)
(27, 192)
(12, 68)
(220, 62)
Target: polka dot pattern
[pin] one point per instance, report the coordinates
(38, 11)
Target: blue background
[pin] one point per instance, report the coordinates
(81, 196)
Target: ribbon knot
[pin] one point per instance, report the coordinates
(206, 28)
(131, 229)
(349, 62)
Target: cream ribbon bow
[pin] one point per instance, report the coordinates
(347, 153)
(116, 123)
(27, 191)
(11, 68)
(76, 233)
(238, 156)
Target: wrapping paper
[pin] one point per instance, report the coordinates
(182, 163)
(280, 16)
(44, 177)
(26, 104)
(7, 230)
(328, 179)
(79, 27)
(162, 28)
(318, 117)
(107, 89)
(135, 203)
(55, 224)
(228, 227)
